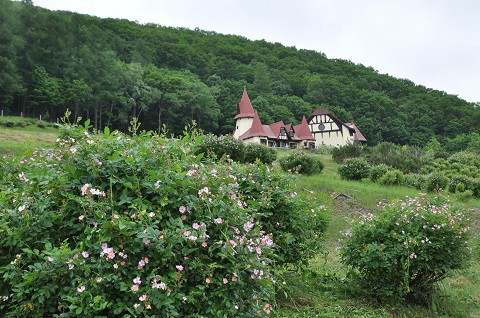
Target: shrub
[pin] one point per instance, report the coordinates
(216, 147)
(460, 183)
(354, 169)
(350, 150)
(41, 124)
(265, 154)
(401, 253)
(392, 177)
(404, 158)
(9, 123)
(295, 224)
(113, 225)
(301, 163)
(435, 182)
(376, 172)
(415, 180)
(467, 158)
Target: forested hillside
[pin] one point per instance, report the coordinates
(111, 70)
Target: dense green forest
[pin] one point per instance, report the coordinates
(112, 70)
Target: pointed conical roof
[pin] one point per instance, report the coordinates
(245, 108)
(257, 129)
(303, 131)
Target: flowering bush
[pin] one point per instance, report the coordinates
(409, 247)
(435, 182)
(354, 169)
(111, 225)
(216, 147)
(265, 154)
(301, 163)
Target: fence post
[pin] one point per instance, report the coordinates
(2, 112)
(21, 114)
(40, 117)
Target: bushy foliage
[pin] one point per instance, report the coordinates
(113, 225)
(435, 182)
(376, 172)
(354, 169)
(296, 225)
(415, 180)
(467, 158)
(265, 154)
(404, 158)
(401, 253)
(302, 163)
(350, 150)
(216, 147)
(392, 177)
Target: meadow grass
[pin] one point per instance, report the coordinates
(16, 140)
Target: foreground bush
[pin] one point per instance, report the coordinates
(216, 147)
(116, 226)
(301, 163)
(404, 251)
(354, 169)
(265, 154)
(392, 177)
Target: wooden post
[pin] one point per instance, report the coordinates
(21, 114)
(40, 117)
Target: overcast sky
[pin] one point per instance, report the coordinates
(435, 43)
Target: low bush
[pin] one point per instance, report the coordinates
(265, 154)
(354, 169)
(404, 251)
(41, 124)
(435, 182)
(299, 162)
(350, 150)
(467, 158)
(216, 147)
(407, 159)
(9, 123)
(392, 177)
(376, 172)
(415, 180)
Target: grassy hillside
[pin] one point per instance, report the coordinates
(24, 134)
(324, 292)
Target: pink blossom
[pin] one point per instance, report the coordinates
(85, 254)
(137, 280)
(225, 280)
(80, 289)
(218, 221)
(179, 267)
(134, 287)
(143, 297)
(207, 280)
(182, 209)
(85, 188)
(81, 217)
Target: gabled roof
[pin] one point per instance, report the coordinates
(257, 130)
(244, 107)
(358, 135)
(303, 131)
(326, 112)
(275, 127)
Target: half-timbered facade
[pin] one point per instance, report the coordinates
(321, 128)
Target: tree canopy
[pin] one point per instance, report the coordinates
(112, 70)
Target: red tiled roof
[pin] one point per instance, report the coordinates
(244, 108)
(275, 127)
(257, 130)
(358, 135)
(320, 111)
(302, 130)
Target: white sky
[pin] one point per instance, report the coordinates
(435, 43)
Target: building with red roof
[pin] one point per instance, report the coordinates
(321, 128)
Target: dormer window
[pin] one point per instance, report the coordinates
(292, 133)
(282, 132)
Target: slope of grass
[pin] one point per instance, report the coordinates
(24, 135)
(325, 292)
